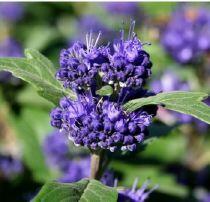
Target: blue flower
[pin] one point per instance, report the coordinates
(187, 35)
(102, 124)
(10, 167)
(79, 64)
(129, 65)
(122, 8)
(72, 165)
(11, 11)
(135, 195)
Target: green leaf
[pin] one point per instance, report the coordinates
(29, 97)
(158, 9)
(38, 71)
(39, 36)
(31, 127)
(167, 182)
(184, 102)
(168, 149)
(83, 191)
(105, 91)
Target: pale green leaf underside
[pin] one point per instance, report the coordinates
(38, 71)
(105, 91)
(83, 191)
(184, 102)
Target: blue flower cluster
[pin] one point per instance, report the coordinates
(101, 122)
(11, 11)
(79, 64)
(10, 47)
(9, 166)
(129, 65)
(73, 166)
(135, 195)
(126, 63)
(57, 152)
(187, 35)
(122, 8)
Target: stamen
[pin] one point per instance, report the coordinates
(122, 34)
(90, 37)
(131, 29)
(87, 40)
(97, 39)
(143, 187)
(134, 185)
(154, 188)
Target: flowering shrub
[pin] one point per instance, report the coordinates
(101, 102)
(101, 123)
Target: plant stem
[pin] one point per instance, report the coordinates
(97, 165)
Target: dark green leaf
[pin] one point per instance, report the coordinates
(38, 71)
(105, 91)
(84, 191)
(185, 102)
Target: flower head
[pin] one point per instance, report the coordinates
(11, 11)
(79, 64)
(56, 149)
(135, 195)
(102, 124)
(10, 48)
(129, 65)
(9, 166)
(187, 34)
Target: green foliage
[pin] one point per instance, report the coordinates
(31, 128)
(105, 91)
(168, 149)
(156, 8)
(180, 101)
(39, 72)
(39, 36)
(29, 97)
(84, 191)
